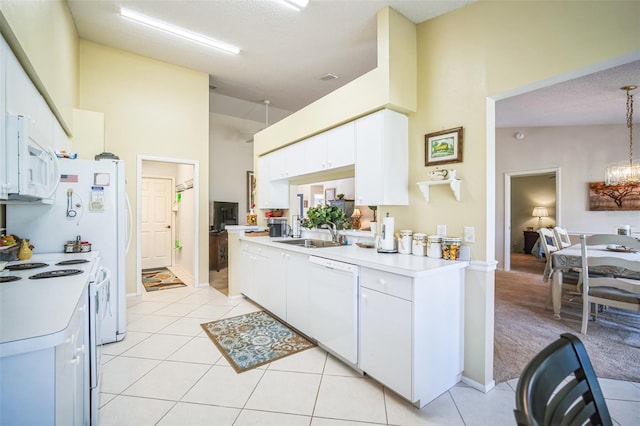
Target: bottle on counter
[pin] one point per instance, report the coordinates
(24, 252)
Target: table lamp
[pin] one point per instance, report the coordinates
(540, 212)
(356, 215)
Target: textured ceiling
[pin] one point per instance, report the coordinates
(284, 51)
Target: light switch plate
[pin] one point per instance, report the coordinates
(469, 234)
(441, 230)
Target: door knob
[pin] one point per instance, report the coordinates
(168, 226)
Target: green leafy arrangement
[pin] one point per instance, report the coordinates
(316, 216)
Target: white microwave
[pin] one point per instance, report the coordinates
(32, 170)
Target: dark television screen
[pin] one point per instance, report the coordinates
(224, 213)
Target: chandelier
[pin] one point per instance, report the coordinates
(626, 171)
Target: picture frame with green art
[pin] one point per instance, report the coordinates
(443, 147)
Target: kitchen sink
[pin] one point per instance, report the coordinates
(309, 243)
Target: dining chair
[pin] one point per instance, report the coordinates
(559, 387)
(619, 287)
(549, 246)
(562, 237)
(570, 279)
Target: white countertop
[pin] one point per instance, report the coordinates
(35, 313)
(402, 264)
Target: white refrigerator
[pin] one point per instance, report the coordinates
(90, 203)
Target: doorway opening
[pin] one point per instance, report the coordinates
(523, 191)
(167, 212)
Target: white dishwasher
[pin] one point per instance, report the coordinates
(333, 295)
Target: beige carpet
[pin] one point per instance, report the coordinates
(523, 327)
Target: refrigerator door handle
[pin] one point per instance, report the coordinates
(129, 223)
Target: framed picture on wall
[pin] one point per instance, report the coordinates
(603, 197)
(251, 190)
(443, 147)
(329, 195)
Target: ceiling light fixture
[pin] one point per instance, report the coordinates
(296, 4)
(626, 171)
(180, 32)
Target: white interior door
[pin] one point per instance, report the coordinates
(156, 230)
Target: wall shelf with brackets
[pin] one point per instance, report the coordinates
(454, 184)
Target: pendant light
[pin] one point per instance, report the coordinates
(627, 171)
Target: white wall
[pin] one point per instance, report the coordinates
(582, 154)
(230, 157)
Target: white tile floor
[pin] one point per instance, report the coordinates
(167, 372)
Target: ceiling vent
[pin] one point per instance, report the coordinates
(326, 77)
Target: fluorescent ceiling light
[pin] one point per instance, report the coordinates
(296, 4)
(180, 32)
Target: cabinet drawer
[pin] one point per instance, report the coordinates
(253, 248)
(385, 282)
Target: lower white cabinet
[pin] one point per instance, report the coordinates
(407, 331)
(385, 339)
(254, 268)
(411, 331)
(49, 385)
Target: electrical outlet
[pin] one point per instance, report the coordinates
(441, 230)
(469, 234)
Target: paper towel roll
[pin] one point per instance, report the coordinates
(388, 238)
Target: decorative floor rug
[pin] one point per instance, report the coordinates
(160, 279)
(251, 340)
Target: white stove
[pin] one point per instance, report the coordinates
(33, 303)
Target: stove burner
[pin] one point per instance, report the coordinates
(23, 266)
(72, 262)
(56, 273)
(9, 278)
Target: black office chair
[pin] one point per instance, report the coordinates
(559, 387)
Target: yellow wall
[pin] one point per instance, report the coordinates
(140, 119)
(391, 84)
(148, 107)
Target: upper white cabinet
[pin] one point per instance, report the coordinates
(22, 98)
(287, 162)
(382, 155)
(377, 144)
(272, 193)
(330, 150)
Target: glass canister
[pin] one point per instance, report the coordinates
(434, 246)
(451, 248)
(405, 241)
(419, 244)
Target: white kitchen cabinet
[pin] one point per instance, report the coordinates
(23, 98)
(286, 270)
(411, 331)
(287, 162)
(254, 268)
(341, 146)
(271, 288)
(386, 330)
(330, 150)
(272, 194)
(382, 169)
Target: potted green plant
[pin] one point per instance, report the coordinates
(317, 216)
(374, 222)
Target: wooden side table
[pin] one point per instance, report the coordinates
(530, 238)
(218, 252)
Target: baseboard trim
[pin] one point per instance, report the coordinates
(479, 386)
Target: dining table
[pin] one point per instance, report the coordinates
(570, 258)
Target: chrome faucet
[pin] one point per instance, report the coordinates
(332, 228)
